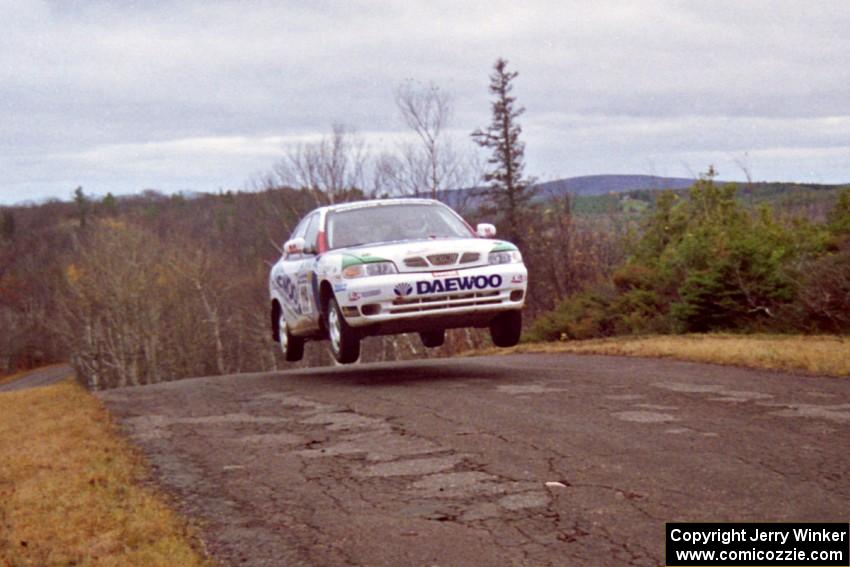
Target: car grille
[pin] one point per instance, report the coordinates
(442, 259)
(446, 301)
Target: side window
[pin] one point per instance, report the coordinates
(311, 234)
(299, 232)
(300, 229)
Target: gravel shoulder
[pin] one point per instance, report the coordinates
(39, 377)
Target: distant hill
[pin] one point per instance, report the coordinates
(632, 194)
(583, 186)
(604, 184)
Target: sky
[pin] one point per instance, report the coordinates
(206, 96)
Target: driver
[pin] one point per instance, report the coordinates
(413, 226)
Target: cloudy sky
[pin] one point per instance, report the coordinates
(203, 96)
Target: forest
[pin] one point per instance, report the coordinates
(152, 287)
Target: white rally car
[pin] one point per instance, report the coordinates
(393, 266)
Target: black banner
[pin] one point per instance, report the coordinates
(758, 545)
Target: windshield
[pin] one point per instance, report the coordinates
(389, 223)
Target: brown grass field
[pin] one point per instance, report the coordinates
(72, 492)
(819, 355)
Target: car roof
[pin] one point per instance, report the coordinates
(379, 203)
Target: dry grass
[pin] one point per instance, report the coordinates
(70, 488)
(824, 355)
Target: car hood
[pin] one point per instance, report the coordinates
(427, 255)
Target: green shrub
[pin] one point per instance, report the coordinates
(582, 316)
(706, 263)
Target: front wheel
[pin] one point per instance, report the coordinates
(292, 347)
(506, 328)
(345, 341)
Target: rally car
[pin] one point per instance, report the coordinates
(393, 266)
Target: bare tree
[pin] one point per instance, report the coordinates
(389, 176)
(205, 272)
(137, 309)
(112, 311)
(743, 164)
(332, 167)
(434, 165)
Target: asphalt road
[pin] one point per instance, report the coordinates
(39, 377)
(446, 462)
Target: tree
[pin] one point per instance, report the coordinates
(839, 217)
(720, 265)
(206, 272)
(110, 204)
(434, 166)
(82, 203)
(114, 307)
(7, 225)
(509, 190)
(332, 168)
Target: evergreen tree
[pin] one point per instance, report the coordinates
(7, 225)
(839, 217)
(82, 206)
(110, 204)
(509, 190)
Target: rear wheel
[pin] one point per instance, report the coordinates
(345, 341)
(506, 328)
(433, 339)
(292, 347)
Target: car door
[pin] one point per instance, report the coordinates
(285, 275)
(306, 277)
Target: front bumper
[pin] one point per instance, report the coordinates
(417, 301)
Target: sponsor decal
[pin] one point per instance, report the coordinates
(286, 285)
(458, 284)
(519, 278)
(340, 286)
(357, 295)
(445, 274)
(306, 305)
(403, 289)
(290, 291)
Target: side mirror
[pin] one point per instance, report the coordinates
(294, 246)
(485, 230)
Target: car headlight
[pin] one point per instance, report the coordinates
(371, 269)
(506, 257)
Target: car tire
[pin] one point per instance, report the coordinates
(291, 347)
(506, 328)
(345, 340)
(432, 339)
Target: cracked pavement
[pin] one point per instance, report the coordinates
(446, 462)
